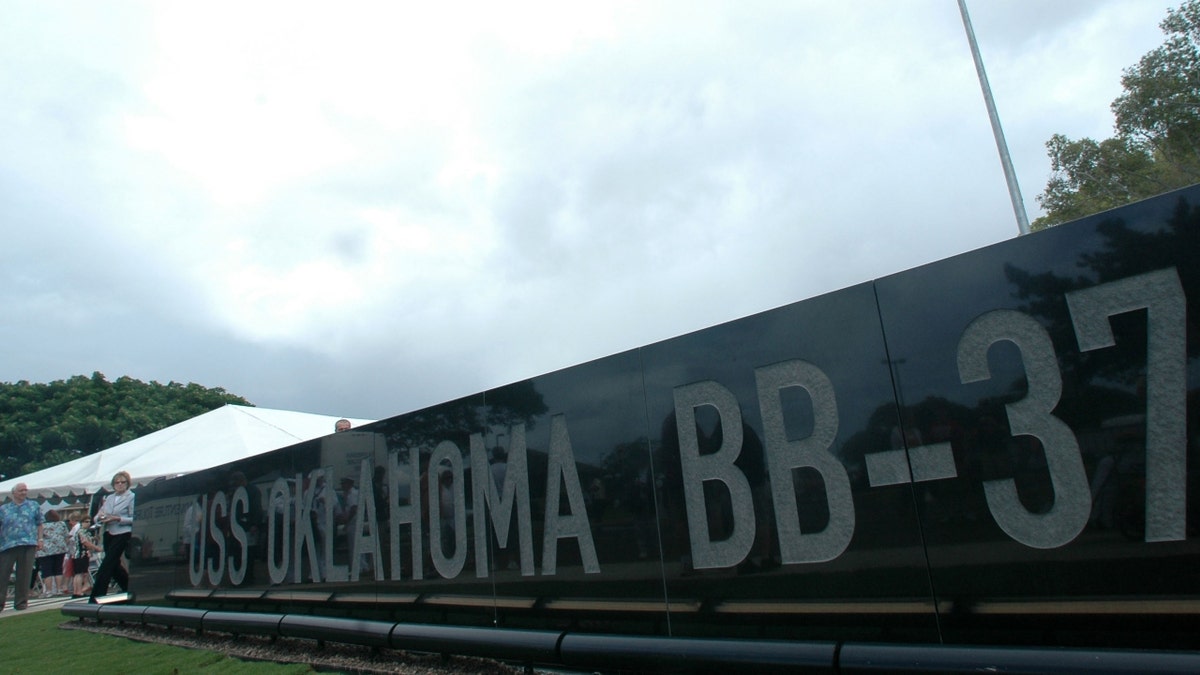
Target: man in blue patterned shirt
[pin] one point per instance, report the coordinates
(20, 538)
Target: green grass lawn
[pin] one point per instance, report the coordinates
(33, 643)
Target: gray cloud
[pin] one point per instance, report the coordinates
(357, 214)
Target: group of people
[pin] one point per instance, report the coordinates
(29, 536)
(65, 555)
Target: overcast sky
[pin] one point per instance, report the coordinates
(365, 209)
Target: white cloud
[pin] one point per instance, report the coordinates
(437, 198)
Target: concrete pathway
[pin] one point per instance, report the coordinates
(37, 605)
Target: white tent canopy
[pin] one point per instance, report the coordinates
(217, 437)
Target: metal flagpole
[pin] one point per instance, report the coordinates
(1014, 190)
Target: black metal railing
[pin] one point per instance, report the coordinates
(609, 652)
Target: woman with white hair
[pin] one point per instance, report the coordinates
(21, 523)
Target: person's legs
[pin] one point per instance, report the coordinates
(59, 581)
(8, 559)
(114, 549)
(25, 556)
(79, 585)
(46, 568)
(104, 574)
(120, 572)
(37, 565)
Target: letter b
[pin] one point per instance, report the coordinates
(716, 466)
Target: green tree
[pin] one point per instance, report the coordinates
(44, 424)
(1157, 143)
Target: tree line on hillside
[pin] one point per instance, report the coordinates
(1157, 143)
(44, 424)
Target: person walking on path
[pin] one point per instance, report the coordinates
(116, 515)
(20, 538)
